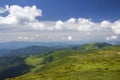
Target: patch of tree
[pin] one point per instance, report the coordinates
(48, 59)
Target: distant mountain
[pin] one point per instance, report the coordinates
(91, 46)
(27, 48)
(47, 47)
(26, 51)
(17, 44)
(4, 52)
(114, 42)
(31, 50)
(21, 44)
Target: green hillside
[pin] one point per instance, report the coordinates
(96, 62)
(91, 46)
(31, 50)
(8, 62)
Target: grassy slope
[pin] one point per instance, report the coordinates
(101, 64)
(8, 62)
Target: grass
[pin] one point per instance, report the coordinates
(33, 60)
(101, 64)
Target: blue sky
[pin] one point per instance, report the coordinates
(63, 9)
(60, 20)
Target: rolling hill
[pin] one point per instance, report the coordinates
(101, 63)
(26, 51)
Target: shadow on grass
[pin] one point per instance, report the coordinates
(14, 71)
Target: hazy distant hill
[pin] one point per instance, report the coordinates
(16, 45)
(32, 50)
(4, 52)
(91, 46)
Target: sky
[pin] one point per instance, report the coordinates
(60, 20)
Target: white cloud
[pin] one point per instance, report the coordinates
(3, 10)
(8, 20)
(36, 25)
(86, 25)
(19, 15)
(22, 38)
(59, 25)
(23, 20)
(113, 37)
(116, 27)
(105, 24)
(37, 35)
(26, 17)
(71, 20)
(70, 38)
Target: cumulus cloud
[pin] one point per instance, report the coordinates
(25, 18)
(36, 25)
(71, 20)
(3, 10)
(19, 15)
(85, 25)
(113, 37)
(59, 25)
(116, 27)
(105, 24)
